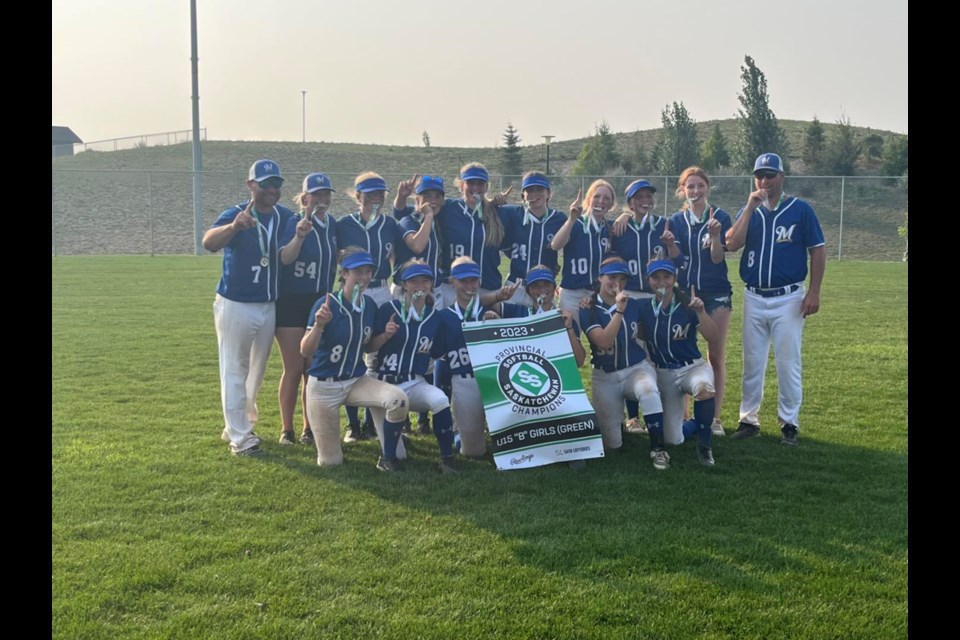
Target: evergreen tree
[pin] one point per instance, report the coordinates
(598, 155)
(814, 142)
(895, 157)
(609, 145)
(759, 131)
(843, 148)
(714, 155)
(510, 152)
(680, 146)
(873, 145)
(426, 139)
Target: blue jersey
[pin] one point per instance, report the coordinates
(452, 346)
(464, 234)
(638, 245)
(408, 351)
(527, 238)
(340, 352)
(315, 268)
(694, 242)
(409, 225)
(775, 252)
(671, 334)
(377, 240)
(583, 253)
(627, 351)
(245, 278)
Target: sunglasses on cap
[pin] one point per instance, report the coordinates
(769, 175)
(274, 183)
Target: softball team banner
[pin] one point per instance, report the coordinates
(537, 410)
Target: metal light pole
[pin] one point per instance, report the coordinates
(303, 115)
(547, 139)
(197, 158)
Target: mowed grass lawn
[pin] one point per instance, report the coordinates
(157, 532)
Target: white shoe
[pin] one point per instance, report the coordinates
(717, 428)
(661, 460)
(633, 425)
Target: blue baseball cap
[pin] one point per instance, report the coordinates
(636, 185)
(535, 181)
(372, 184)
(539, 275)
(661, 265)
(768, 162)
(359, 259)
(475, 173)
(430, 183)
(415, 270)
(263, 169)
(613, 268)
(465, 270)
(317, 182)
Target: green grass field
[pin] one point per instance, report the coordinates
(159, 533)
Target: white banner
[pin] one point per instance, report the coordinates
(537, 409)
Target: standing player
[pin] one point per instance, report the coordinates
(670, 328)
(309, 256)
(777, 233)
(621, 370)
(375, 233)
(584, 240)
(530, 230)
(244, 310)
(404, 334)
(340, 326)
(700, 229)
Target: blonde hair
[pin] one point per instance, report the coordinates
(682, 181)
(462, 260)
(592, 190)
(491, 219)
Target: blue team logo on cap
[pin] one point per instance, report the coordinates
(263, 169)
(535, 181)
(768, 162)
(636, 185)
(430, 183)
(317, 182)
(475, 173)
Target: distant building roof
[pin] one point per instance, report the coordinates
(63, 135)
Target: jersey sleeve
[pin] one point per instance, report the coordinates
(812, 233)
(289, 231)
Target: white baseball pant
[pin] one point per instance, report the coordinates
(244, 338)
(324, 400)
(570, 301)
(469, 416)
(692, 380)
(777, 319)
(609, 389)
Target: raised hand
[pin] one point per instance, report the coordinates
(245, 219)
(621, 300)
(713, 225)
(323, 314)
(576, 207)
(426, 209)
(696, 304)
(392, 326)
(585, 302)
(506, 292)
(501, 198)
(304, 227)
(406, 187)
(667, 238)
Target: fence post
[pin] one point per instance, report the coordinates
(843, 183)
(150, 207)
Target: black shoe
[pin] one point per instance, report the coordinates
(705, 455)
(448, 465)
(423, 427)
(745, 430)
(368, 431)
(253, 452)
(307, 437)
(389, 465)
(354, 433)
(788, 435)
(578, 465)
(286, 437)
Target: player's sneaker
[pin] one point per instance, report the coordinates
(286, 437)
(717, 428)
(307, 437)
(251, 452)
(745, 430)
(788, 435)
(634, 425)
(390, 465)
(368, 431)
(705, 455)
(354, 433)
(661, 459)
(448, 465)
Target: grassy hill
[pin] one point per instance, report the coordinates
(140, 200)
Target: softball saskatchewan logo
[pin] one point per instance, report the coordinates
(529, 380)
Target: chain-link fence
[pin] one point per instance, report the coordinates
(151, 212)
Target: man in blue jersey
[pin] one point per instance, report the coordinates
(778, 234)
(244, 310)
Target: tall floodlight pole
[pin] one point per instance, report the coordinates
(197, 161)
(303, 116)
(547, 139)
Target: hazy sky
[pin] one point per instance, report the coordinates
(383, 71)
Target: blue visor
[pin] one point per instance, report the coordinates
(538, 275)
(661, 265)
(636, 185)
(417, 270)
(430, 183)
(465, 270)
(612, 268)
(535, 181)
(359, 259)
(372, 184)
(475, 173)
